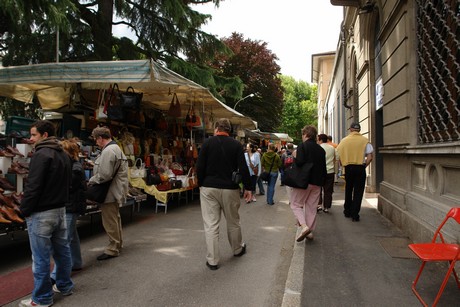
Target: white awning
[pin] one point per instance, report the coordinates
(54, 83)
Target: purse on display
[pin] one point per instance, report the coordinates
(138, 170)
(153, 178)
(114, 109)
(130, 99)
(175, 108)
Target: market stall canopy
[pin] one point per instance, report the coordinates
(266, 135)
(55, 85)
(284, 137)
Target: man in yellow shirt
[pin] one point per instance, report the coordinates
(355, 154)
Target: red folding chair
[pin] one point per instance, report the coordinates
(438, 251)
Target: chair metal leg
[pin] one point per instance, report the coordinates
(444, 282)
(414, 284)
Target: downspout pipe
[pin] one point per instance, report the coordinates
(344, 51)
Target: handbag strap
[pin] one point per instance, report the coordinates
(250, 162)
(271, 166)
(116, 172)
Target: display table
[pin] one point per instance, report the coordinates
(162, 197)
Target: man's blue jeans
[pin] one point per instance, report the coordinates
(48, 237)
(74, 242)
(271, 187)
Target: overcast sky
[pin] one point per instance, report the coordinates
(292, 29)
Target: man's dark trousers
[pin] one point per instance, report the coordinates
(355, 181)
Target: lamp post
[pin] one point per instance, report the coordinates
(250, 95)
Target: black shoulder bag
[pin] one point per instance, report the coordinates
(265, 176)
(98, 192)
(298, 176)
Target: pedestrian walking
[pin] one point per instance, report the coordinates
(219, 158)
(260, 182)
(304, 201)
(254, 166)
(76, 205)
(271, 163)
(111, 164)
(46, 193)
(325, 199)
(355, 154)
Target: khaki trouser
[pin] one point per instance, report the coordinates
(111, 221)
(213, 202)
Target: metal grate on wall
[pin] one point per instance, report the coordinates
(438, 70)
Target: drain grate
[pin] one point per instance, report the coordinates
(397, 247)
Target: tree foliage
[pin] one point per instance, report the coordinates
(165, 30)
(300, 107)
(255, 65)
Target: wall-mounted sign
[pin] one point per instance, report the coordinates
(378, 93)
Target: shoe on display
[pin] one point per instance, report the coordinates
(29, 302)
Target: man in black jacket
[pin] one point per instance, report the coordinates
(43, 205)
(219, 157)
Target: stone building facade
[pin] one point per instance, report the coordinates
(396, 71)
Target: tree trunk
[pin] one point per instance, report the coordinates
(102, 31)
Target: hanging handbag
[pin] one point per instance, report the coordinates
(191, 119)
(114, 110)
(130, 99)
(101, 111)
(174, 107)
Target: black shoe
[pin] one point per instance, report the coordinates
(77, 269)
(212, 267)
(105, 256)
(355, 219)
(243, 251)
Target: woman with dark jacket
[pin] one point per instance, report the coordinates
(304, 201)
(76, 205)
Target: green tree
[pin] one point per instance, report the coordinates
(255, 66)
(165, 30)
(300, 107)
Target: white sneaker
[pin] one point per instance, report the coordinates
(56, 290)
(29, 302)
(254, 199)
(309, 236)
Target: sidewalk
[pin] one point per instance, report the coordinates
(364, 263)
(163, 262)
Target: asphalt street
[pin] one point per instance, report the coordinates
(163, 261)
